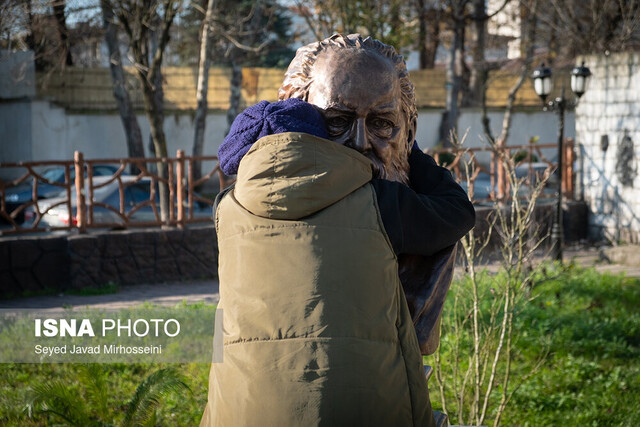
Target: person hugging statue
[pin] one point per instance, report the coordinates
(336, 248)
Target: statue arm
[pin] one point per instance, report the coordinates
(432, 214)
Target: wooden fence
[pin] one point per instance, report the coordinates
(464, 164)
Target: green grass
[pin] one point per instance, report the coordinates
(590, 325)
(30, 293)
(107, 288)
(17, 381)
(593, 374)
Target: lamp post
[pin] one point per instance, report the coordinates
(543, 84)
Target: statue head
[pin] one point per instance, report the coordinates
(362, 88)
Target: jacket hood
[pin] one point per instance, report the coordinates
(293, 175)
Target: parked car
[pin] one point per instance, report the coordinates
(23, 193)
(537, 171)
(482, 183)
(109, 195)
(481, 186)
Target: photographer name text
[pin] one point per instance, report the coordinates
(106, 349)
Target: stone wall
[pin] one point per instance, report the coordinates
(574, 220)
(125, 257)
(33, 264)
(608, 137)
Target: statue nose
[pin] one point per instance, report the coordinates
(359, 136)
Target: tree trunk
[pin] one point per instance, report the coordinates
(153, 99)
(432, 41)
(152, 29)
(135, 146)
(429, 38)
(455, 72)
(132, 132)
(40, 63)
(479, 68)
(202, 89)
(236, 93)
(30, 39)
(528, 43)
(58, 12)
(422, 35)
(529, 46)
(553, 40)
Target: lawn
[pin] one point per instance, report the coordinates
(588, 324)
(18, 380)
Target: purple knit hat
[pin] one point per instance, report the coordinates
(265, 118)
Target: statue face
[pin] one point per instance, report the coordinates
(358, 93)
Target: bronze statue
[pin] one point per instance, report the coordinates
(363, 91)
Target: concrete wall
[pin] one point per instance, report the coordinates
(526, 124)
(17, 75)
(15, 131)
(608, 181)
(58, 133)
(40, 130)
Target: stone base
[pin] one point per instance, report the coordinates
(45, 264)
(574, 219)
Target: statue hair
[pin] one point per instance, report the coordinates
(298, 77)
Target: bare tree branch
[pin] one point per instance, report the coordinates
(243, 46)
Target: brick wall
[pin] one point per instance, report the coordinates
(609, 112)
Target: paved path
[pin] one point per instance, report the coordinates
(589, 257)
(207, 290)
(592, 257)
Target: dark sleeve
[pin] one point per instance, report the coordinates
(219, 199)
(429, 216)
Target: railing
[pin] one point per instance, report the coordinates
(465, 166)
(77, 201)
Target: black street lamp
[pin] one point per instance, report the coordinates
(543, 84)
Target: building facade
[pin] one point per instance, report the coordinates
(608, 134)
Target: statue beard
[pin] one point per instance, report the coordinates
(397, 171)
